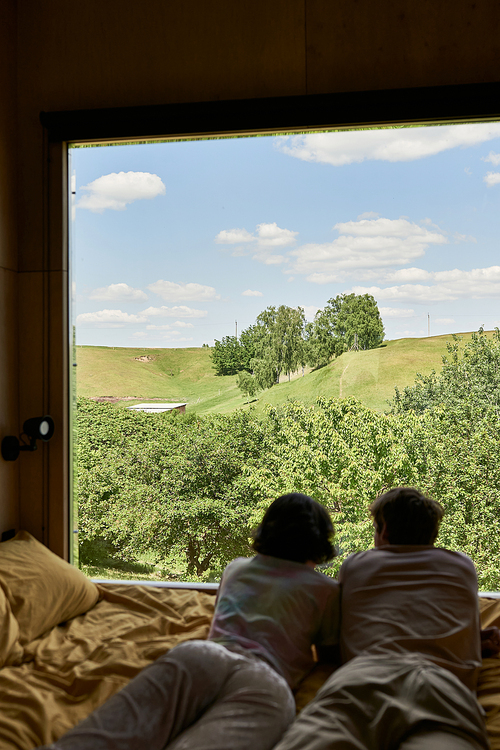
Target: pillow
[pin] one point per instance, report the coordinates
(41, 588)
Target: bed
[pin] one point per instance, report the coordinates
(67, 644)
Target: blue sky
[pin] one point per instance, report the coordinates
(174, 242)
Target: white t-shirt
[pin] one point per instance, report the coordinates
(418, 599)
(276, 609)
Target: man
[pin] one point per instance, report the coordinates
(410, 640)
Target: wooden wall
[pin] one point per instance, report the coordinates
(60, 55)
(9, 394)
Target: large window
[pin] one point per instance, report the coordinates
(189, 250)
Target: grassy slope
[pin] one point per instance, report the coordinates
(187, 375)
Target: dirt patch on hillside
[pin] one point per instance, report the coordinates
(144, 358)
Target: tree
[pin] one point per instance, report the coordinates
(171, 485)
(278, 339)
(467, 386)
(247, 384)
(191, 488)
(264, 372)
(346, 320)
(228, 356)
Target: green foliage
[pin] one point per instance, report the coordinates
(188, 490)
(166, 484)
(343, 455)
(346, 321)
(275, 344)
(468, 384)
(263, 372)
(247, 384)
(278, 342)
(229, 356)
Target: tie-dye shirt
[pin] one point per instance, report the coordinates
(276, 609)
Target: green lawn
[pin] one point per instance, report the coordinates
(174, 375)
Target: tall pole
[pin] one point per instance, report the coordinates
(236, 328)
(428, 324)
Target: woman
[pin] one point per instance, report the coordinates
(233, 691)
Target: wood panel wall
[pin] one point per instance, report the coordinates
(60, 55)
(9, 393)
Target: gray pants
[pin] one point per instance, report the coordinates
(389, 702)
(199, 696)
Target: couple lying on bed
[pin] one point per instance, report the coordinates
(409, 643)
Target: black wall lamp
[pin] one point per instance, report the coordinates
(36, 428)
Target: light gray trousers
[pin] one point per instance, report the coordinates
(199, 696)
(400, 702)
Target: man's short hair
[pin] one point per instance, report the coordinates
(295, 527)
(411, 517)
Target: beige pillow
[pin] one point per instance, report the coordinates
(41, 588)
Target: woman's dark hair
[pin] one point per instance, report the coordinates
(295, 527)
(411, 518)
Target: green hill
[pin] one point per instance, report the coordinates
(134, 375)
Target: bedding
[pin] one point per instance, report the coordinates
(73, 667)
(41, 588)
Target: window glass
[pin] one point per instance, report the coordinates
(282, 305)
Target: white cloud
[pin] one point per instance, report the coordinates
(362, 247)
(396, 312)
(491, 178)
(139, 335)
(368, 215)
(405, 275)
(271, 235)
(464, 237)
(183, 324)
(239, 252)
(388, 144)
(171, 335)
(179, 311)
(269, 259)
(250, 293)
(468, 171)
(492, 158)
(267, 237)
(444, 321)
(426, 222)
(109, 319)
(479, 283)
(118, 293)
(310, 311)
(117, 190)
(175, 339)
(387, 228)
(234, 236)
(172, 292)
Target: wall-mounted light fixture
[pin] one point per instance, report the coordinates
(36, 428)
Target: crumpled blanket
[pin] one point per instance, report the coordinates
(76, 666)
